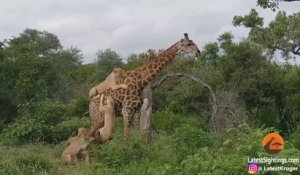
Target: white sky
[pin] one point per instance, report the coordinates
(128, 26)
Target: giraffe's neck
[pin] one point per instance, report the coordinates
(146, 73)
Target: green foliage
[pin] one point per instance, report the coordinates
(281, 34)
(168, 121)
(26, 131)
(106, 61)
(252, 20)
(115, 155)
(79, 106)
(46, 111)
(33, 164)
(210, 53)
(188, 150)
(244, 140)
(43, 97)
(272, 4)
(34, 67)
(7, 169)
(66, 128)
(207, 161)
(295, 138)
(189, 139)
(133, 61)
(42, 122)
(83, 74)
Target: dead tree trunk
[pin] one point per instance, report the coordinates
(146, 109)
(146, 113)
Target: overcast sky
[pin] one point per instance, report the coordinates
(128, 26)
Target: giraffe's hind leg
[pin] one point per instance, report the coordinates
(127, 117)
(128, 111)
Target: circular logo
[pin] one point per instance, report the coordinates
(273, 143)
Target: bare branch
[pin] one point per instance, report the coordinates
(212, 93)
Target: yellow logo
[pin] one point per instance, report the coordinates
(273, 143)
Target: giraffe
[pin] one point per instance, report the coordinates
(127, 101)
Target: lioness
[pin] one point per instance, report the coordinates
(77, 145)
(104, 134)
(114, 81)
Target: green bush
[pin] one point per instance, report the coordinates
(50, 112)
(210, 162)
(188, 140)
(79, 106)
(295, 138)
(65, 129)
(245, 140)
(45, 121)
(34, 164)
(166, 120)
(116, 155)
(27, 131)
(165, 146)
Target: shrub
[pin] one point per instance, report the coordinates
(65, 129)
(295, 138)
(166, 120)
(27, 131)
(47, 123)
(210, 162)
(188, 140)
(115, 155)
(245, 140)
(48, 111)
(79, 107)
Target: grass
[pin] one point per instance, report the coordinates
(185, 150)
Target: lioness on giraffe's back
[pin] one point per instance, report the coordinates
(114, 80)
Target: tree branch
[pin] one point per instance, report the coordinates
(296, 51)
(212, 93)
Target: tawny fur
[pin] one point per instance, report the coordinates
(114, 81)
(105, 133)
(77, 145)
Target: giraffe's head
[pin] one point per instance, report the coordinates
(188, 46)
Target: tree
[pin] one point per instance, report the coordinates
(34, 67)
(32, 43)
(106, 60)
(272, 4)
(252, 20)
(281, 34)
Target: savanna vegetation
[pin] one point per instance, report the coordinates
(44, 99)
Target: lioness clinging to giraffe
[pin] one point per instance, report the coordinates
(114, 80)
(127, 101)
(104, 134)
